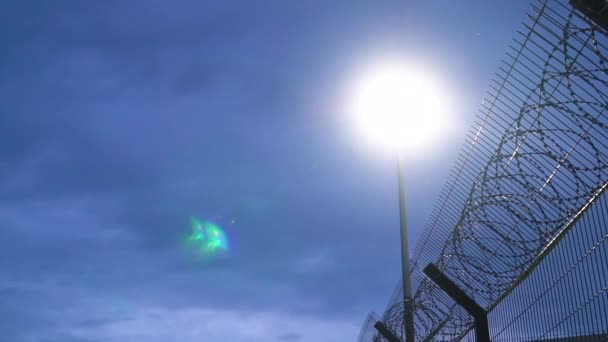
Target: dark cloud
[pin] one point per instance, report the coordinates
(290, 337)
(123, 120)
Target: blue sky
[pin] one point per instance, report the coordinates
(120, 120)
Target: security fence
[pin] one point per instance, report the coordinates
(521, 224)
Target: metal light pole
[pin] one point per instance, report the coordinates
(384, 105)
(405, 260)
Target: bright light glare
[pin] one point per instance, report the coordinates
(398, 106)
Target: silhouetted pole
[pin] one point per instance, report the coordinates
(596, 10)
(385, 332)
(408, 306)
(482, 330)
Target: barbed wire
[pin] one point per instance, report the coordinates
(537, 155)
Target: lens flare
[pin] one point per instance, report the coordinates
(207, 238)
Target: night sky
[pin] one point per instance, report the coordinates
(120, 120)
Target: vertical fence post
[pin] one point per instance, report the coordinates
(596, 10)
(482, 330)
(386, 332)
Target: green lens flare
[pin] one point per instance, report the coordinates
(208, 238)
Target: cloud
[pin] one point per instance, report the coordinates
(120, 121)
(198, 324)
(69, 312)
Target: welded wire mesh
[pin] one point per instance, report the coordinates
(521, 224)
